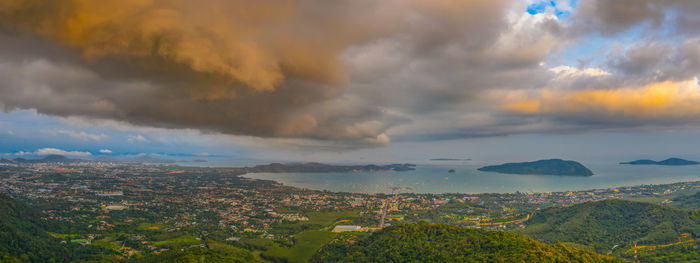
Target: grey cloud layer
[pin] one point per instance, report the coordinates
(610, 17)
(342, 74)
(659, 61)
(109, 76)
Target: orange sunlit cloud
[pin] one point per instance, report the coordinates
(654, 101)
(250, 42)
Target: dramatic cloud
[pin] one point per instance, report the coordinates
(253, 43)
(238, 67)
(438, 91)
(346, 74)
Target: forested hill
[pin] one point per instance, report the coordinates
(687, 201)
(543, 167)
(22, 238)
(669, 162)
(604, 224)
(424, 242)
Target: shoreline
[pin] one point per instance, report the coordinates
(696, 182)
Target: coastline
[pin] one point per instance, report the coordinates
(694, 182)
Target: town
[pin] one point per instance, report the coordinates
(139, 209)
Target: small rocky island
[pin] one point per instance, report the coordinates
(327, 168)
(541, 167)
(668, 162)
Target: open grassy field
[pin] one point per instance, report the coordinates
(317, 221)
(181, 240)
(305, 245)
(658, 199)
(63, 236)
(327, 218)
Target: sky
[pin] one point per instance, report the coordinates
(350, 80)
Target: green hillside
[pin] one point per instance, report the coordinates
(424, 242)
(604, 224)
(199, 255)
(23, 239)
(687, 201)
(21, 236)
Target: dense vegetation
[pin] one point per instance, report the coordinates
(23, 238)
(604, 224)
(198, 255)
(423, 242)
(687, 201)
(669, 161)
(688, 252)
(545, 167)
(664, 234)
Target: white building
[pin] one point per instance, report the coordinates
(345, 228)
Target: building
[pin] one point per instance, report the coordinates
(115, 207)
(346, 228)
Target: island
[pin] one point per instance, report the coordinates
(541, 167)
(327, 168)
(667, 162)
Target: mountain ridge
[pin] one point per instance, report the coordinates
(601, 225)
(423, 242)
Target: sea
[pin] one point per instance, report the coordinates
(434, 177)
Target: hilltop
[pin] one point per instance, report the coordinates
(668, 162)
(542, 167)
(603, 224)
(423, 242)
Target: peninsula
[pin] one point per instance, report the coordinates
(541, 167)
(326, 168)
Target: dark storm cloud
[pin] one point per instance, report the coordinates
(57, 84)
(266, 69)
(336, 74)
